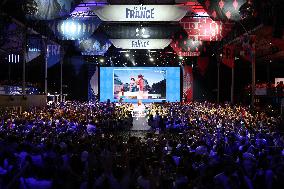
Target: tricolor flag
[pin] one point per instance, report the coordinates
(228, 56)
(248, 47)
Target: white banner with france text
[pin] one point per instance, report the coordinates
(137, 13)
(141, 43)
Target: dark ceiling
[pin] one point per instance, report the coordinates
(269, 14)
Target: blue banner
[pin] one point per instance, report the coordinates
(34, 48)
(53, 54)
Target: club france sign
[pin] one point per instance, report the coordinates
(141, 43)
(141, 12)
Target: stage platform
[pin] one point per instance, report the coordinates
(140, 121)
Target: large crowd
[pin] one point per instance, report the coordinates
(269, 89)
(199, 145)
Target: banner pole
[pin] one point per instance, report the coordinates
(24, 61)
(45, 69)
(61, 76)
(218, 83)
(253, 81)
(233, 84)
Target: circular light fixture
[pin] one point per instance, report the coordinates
(127, 55)
(151, 59)
(74, 28)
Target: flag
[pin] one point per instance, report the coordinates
(228, 56)
(53, 54)
(248, 47)
(34, 47)
(202, 63)
(187, 83)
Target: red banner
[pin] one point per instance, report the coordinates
(202, 63)
(228, 56)
(187, 83)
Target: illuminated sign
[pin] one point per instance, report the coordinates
(34, 50)
(188, 53)
(141, 12)
(141, 43)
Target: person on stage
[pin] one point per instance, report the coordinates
(133, 86)
(140, 82)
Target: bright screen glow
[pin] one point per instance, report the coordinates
(149, 84)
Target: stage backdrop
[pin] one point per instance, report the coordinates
(150, 84)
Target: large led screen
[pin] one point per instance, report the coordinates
(149, 84)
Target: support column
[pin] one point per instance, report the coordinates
(233, 85)
(253, 81)
(218, 83)
(45, 68)
(24, 62)
(61, 78)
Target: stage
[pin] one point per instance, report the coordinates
(140, 121)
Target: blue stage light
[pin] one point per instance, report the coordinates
(74, 29)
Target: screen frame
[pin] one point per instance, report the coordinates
(113, 67)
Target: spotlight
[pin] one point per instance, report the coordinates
(151, 59)
(180, 57)
(102, 60)
(127, 55)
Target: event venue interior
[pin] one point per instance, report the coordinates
(141, 94)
